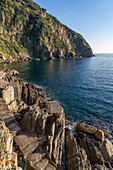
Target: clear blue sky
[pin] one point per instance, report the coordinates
(91, 18)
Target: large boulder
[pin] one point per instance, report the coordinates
(86, 128)
(99, 134)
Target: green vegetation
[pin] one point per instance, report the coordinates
(5, 132)
(27, 29)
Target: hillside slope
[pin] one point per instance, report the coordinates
(26, 30)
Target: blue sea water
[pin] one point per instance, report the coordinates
(84, 86)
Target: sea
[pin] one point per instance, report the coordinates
(83, 86)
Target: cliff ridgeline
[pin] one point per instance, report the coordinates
(26, 30)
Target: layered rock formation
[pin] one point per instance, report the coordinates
(86, 151)
(8, 158)
(26, 31)
(35, 127)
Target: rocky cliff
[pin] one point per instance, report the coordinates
(26, 30)
(8, 158)
(37, 124)
(33, 134)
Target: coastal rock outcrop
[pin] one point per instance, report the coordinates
(8, 158)
(51, 124)
(99, 134)
(33, 134)
(107, 150)
(86, 128)
(7, 94)
(85, 151)
(76, 157)
(37, 125)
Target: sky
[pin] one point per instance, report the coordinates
(91, 18)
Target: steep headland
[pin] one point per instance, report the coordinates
(28, 31)
(33, 134)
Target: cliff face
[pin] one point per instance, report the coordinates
(41, 140)
(37, 125)
(26, 30)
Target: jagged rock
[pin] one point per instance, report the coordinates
(2, 74)
(3, 85)
(14, 72)
(108, 164)
(41, 123)
(83, 152)
(99, 134)
(111, 160)
(8, 159)
(17, 106)
(76, 157)
(44, 121)
(106, 135)
(31, 94)
(107, 149)
(17, 85)
(29, 120)
(8, 118)
(72, 157)
(55, 132)
(94, 155)
(100, 167)
(86, 128)
(7, 94)
(71, 145)
(4, 112)
(13, 106)
(50, 124)
(33, 151)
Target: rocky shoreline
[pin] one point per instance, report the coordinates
(17, 60)
(33, 132)
(9, 61)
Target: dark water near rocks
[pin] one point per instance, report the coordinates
(83, 86)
